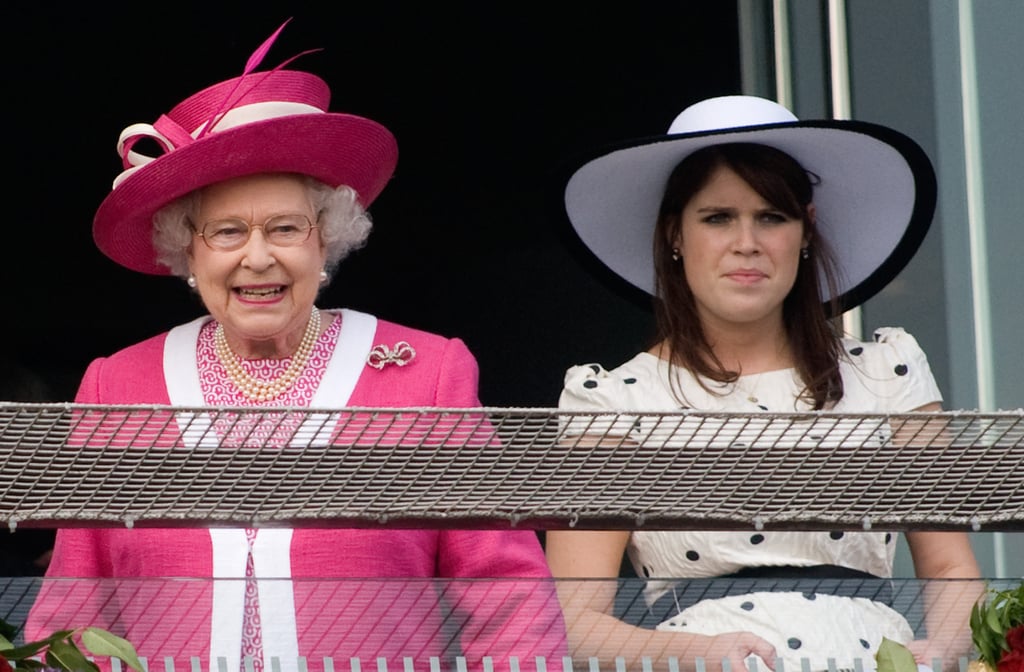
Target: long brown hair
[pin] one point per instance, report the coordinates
(813, 339)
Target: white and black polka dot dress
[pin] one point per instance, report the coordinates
(889, 375)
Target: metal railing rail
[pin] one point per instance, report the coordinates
(67, 465)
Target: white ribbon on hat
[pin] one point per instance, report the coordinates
(238, 116)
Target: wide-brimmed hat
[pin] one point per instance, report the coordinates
(875, 196)
(260, 122)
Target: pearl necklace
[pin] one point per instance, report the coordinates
(265, 390)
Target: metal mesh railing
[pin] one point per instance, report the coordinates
(385, 624)
(69, 465)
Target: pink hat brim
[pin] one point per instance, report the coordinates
(331, 147)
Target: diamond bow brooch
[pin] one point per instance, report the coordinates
(381, 355)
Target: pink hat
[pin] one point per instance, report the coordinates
(273, 121)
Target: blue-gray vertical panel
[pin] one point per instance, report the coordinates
(1000, 82)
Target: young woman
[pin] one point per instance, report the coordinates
(763, 227)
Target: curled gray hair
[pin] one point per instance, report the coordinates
(344, 225)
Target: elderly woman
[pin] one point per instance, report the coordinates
(259, 193)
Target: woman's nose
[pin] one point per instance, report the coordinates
(746, 240)
(258, 252)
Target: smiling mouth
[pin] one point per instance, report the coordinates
(258, 292)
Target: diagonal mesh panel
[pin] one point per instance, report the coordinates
(83, 465)
(372, 618)
(421, 624)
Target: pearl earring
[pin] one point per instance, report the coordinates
(805, 253)
(323, 276)
(191, 281)
(675, 254)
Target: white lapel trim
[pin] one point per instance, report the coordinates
(272, 550)
(181, 375)
(340, 378)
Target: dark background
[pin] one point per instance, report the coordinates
(490, 103)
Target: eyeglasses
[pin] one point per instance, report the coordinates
(227, 235)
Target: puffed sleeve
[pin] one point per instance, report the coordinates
(459, 378)
(591, 387)
(894, 369)
(910, 364)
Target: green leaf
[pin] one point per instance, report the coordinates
(54, 637)
(5, 643)
(987, 643)
(26, 650)
(894, 657)
(102, 643)
(992, 619)
(7, 631)
(65, 655)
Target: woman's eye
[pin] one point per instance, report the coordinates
(717, 218)
(226, 231)
(774, 218)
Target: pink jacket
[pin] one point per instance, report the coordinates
(366, 593)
